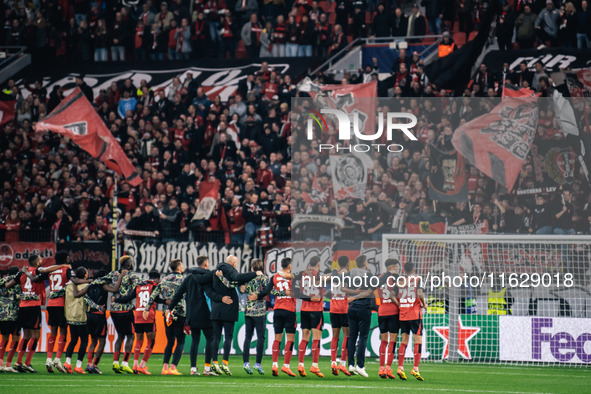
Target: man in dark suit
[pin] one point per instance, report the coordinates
(225, 315)
(194, 288)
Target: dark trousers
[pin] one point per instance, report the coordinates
(228, 327)
(359, 322)
(78, 332)
(174, 332)
(195, 338)
(252, 51)
(253, 323)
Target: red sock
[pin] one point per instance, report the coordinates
(148, 350)
(302, 350)
(50, 345)
(89, 356)
(315, 350)
(417, 355)
(344, 349)
(390, 354)
(334, 349)
(13, 346)
(116, 356)
(31, 350)
(61, 344)
(137, 350)
(96, 362)
(126, 356)
(276, 345)
(401, 351)
(383, 347)
(21, 351)
(288, 352)
(3, 348)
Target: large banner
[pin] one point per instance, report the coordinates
(498, 142)
(545, 339)
(215, 76)
(349, 175)
(94, 255)
(156, 256)
(552, 58)
(17, 253)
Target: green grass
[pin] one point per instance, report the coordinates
(439, 377)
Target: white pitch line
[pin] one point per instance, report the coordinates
(296, 385)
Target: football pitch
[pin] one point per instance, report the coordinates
(439, 378)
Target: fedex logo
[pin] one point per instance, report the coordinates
(563, 346)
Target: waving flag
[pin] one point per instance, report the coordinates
(447, 176)
(498, 142)
(76, 119)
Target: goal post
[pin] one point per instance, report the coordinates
(510, 299)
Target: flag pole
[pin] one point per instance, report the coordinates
(114, 227)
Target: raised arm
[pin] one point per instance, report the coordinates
(79, 292)
(48, 270)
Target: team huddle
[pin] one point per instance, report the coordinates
(206, 301)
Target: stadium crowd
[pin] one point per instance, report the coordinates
(84, 30)
(179, 138)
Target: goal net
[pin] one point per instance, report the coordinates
(507, 299)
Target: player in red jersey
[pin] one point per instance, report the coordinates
(284, 316)
(311, 314)
(311, 291)
(339, 307)
(411, 300)
(144, 321)
(389, 323)
(32, 283)
(55, 311)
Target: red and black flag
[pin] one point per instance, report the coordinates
(76, 119)
(447, 176)
(510, 90)
(498, 142)
(7, 111)
(425, 223)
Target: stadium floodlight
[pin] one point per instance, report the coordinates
(510, 299)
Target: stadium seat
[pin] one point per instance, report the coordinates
(241, 50)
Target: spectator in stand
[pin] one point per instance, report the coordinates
(339, 41)
(382, 20)
(583, 22)
(164, 17)
(253, 216)
(563, 211)
(417, 25)
(228, 36)
(434, 14)
(400, 24)
(266, 40)
(568, 26)
(173, 50)
(305, 37)
(547, 25)
(525, 24)
(100, 38)
(119, 36)
(291, 32)
(505, 27)
(183, 39)
(279, 37)
(170, 219)
(251, 32)
(542, 218)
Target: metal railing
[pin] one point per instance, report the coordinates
(10, 53)
(360, 41)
